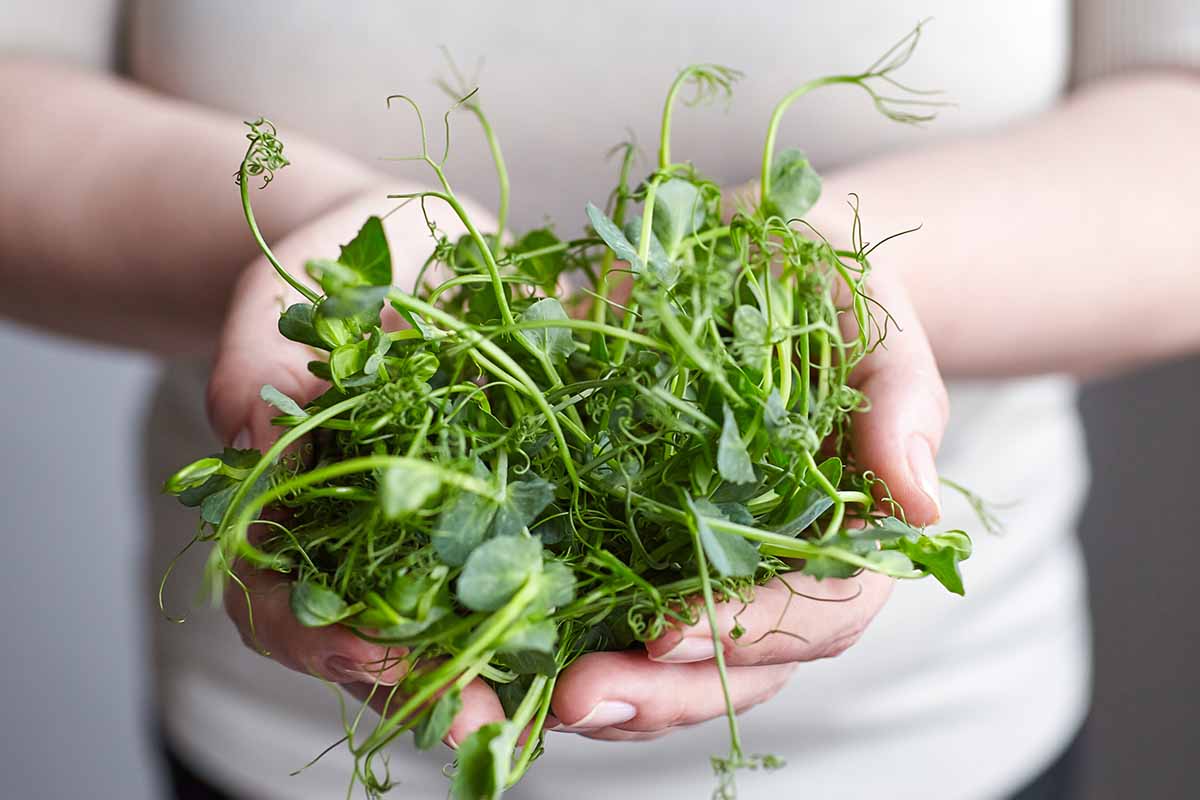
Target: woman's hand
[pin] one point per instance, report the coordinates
(251, 353)
(674, 682)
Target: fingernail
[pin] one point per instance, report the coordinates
(345, 670)
(920, 461)
(451, 742)
(606, 713)
(689, 649)
(242, 440)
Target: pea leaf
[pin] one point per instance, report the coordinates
(733, 460)
(808, 505)
(193, 475)
(315, 606)
(281, 401)
(729, 554)
(377, 348)
(345, 362)
(404, 488)
(607, 230)
(678, 212)
(822, 567)
(939, 555)
(795, 185)
(496, 569)
(359, 303)
(659, 265)
(464, 522)
(483, 763)
(436, 724)
(557, 588)
(537, 636)
(545, 267)
(297, 324)
(524, 500)
(367, 254)
(557, 343)
(751, 342)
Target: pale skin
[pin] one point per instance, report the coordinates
(1079, 224)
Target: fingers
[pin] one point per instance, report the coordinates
(480, 706)
(898, 438)
(602, 693)
(267, 625)
(253, 353)
(792, 618)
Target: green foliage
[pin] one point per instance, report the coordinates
(506, 485)
(795, 185)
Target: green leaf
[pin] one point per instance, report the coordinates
(546, 267)
(436, 724)
(607, 230)
(524, 500)
(557, 343)
(464, 522)
(368, 254)
(729, 554)
(678, 212)
(822, 567)
(378, 346)
(333, 331)
(297, 324)
(316, 606)
(359, 303)
(751, 342)
(808, 505)
(536, 636)
(532, 662)
(496, 569)
(733, 460)
(286, 405)
(795, 185)
(345, 362)
(939, 555)
(659, 265)
(404, 488)
(831, 468)
(483, 763)
(193, 475)
(557, 587)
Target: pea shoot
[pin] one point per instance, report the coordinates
(503, 486)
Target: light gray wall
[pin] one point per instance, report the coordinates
(72, 683)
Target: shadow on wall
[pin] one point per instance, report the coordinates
(1142, 540)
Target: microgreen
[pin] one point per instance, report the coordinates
(507, 485)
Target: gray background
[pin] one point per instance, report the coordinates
(72, 723)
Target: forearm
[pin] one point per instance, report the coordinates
(1066, 244)
(119, 217)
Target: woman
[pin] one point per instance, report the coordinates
(1021, 270)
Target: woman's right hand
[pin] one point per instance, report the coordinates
(252, 353)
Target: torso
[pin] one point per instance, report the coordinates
(563, 83)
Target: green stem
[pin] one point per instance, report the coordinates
(306, 292)
(487, 635)
(710, 610)
(501, 174)
(531, 389)
(764, 186)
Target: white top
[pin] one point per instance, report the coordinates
(978, 693)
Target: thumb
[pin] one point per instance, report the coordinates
(899, 436)
(253, 353)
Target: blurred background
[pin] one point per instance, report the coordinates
(75, 604)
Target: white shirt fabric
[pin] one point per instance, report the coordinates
(944, 697)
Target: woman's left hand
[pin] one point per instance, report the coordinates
(674, 682)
